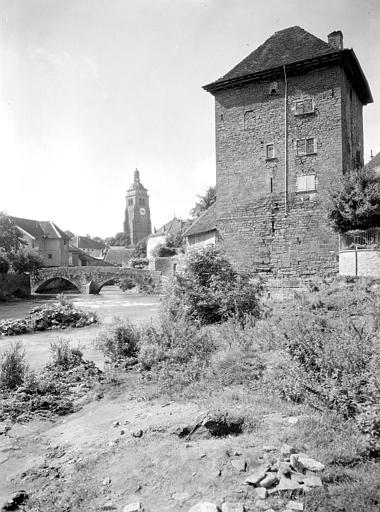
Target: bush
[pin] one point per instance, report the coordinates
(64, 356)
(25, 260)
(176, 352)
(4, 265)
(13, 367)
(120, 341)
(163, 251)
(355, 204)
(47, 317)
(210, 290)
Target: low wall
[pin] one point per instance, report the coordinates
(364, 263)
(14, 285)
(166, 265)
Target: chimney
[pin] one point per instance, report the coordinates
(335, 39)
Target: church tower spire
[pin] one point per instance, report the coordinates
(137, 223)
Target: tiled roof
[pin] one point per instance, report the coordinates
(374, 162)
(290, 47)
(84, 242)
(206, 222)
(117, 255)
(172, 227)
(286, 46)
(40, 229)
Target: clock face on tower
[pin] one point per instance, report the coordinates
(142, 211)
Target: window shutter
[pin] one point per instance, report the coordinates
(310, 182)
(299, 107)
(301, 184)
(307, 106)
(301, 145)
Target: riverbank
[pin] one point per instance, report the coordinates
(110, 303)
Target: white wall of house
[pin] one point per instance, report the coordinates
(200, 240)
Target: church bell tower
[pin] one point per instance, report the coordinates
(137, 224)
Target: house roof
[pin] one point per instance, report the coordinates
(374, 162)
(117, 255)
(206, 222)
(173, 227)
(84, 242)
(294, 48)
(40, 229)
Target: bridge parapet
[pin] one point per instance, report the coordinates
(88, 279)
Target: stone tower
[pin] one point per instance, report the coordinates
(137, 224)
(288, 125)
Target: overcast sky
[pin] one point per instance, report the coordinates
(92, 88)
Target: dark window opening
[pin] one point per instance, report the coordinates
(272, 226)
(221, 117)
(50, 256)
(273, 88)
(271, 185)
(358, 159)
(270, 151)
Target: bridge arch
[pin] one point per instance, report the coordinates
(44, 285)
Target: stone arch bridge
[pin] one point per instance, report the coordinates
(87, 279)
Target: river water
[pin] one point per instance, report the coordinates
(110, 303)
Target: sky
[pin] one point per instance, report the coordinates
(90, 89)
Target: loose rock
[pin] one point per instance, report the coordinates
(133, 507)
(269, 480)
(233, 507)
(287, 450)
(296, 463)
(204, 507)
(14, 501)
(239, 464)
(180, 496)
(137, 433)
(284, 468)
(313, 481)
(289, 484)
(310, 464)
(261, 493)
(108, 505)
(255, 478)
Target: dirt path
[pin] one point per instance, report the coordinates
(92, 457)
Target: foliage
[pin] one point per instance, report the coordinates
(210, 290)
(143, 283)
(139, 263)
(26, 260)
(163, 251)
(12, 366)
(175, 240)
(9, 235)
(4, 265)
(204, 202)
(355, 204)
(47, 317)
(119, 341)
(120, 239)
(63, 355)
(176, 352)
(330, 358)
(140, 249)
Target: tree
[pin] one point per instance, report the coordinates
(204, 202)
(140, 249)
(119, 239)
(9, 235)
(355, 203)
(25, 260)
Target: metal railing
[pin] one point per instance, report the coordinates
(360, 239)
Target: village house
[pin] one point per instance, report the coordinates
(172, 228)
(89, 246)
(203, 231)
(288, 124)
(47, 238)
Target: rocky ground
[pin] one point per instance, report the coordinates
(129, 450)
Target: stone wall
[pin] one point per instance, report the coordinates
(363, 263)
(14, 285)
(256, 228)
(167, 266)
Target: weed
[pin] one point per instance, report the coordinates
(119, 341)
(13, 366)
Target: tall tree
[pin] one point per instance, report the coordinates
(204, 202)
(9, 235)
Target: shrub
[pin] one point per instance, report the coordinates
(49, 316)
(64, 356)
(25, 260)
(119, 341)
(355, 204)
(4, 265)
(163, 251)
(175, 352)
(210, 290)
(13, 366)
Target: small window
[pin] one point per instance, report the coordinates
(273, 88)
(306, 183)
(305, 106)
(50, 256)
(269, 151)
(307, 146)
